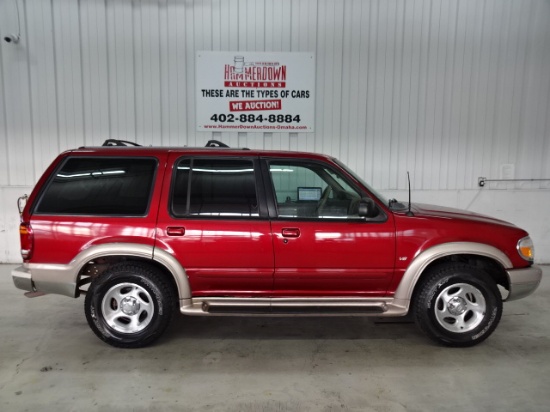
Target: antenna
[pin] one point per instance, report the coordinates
(409, 213)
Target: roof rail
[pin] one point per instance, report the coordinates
(215, 143)
(116, 142)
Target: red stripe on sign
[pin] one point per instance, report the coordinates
(248, 105)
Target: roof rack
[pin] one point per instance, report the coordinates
(215, 143)
(125, 143)
(218, 144)
(116, 142)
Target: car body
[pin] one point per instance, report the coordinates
(146, 231)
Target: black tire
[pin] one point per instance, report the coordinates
(458, 305)
(130, 305)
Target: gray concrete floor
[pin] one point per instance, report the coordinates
(50, 360)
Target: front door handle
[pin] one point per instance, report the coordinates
(291, 232)
(175, 231)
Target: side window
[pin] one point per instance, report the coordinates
(100, 186)
(312, 191)
(214, 187)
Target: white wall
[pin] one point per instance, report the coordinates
(450, 90)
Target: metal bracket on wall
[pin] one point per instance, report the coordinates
(481, 180)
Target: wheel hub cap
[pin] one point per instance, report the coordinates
(129, 305)
(457, 306)
(460, 308)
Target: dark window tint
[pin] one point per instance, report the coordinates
(100, 186)
(215, 187)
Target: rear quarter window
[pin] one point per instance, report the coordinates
(100, 186)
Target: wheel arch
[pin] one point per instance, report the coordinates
(490, 259)
(95, 260)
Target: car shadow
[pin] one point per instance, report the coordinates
(283, 328)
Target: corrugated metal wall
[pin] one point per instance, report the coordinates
(450, 90)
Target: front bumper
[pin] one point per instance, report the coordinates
(523, 282)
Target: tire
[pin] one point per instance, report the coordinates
(130, 305)
(458, 305)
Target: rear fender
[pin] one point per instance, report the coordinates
(62, 279)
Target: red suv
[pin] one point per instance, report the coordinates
(144, 231)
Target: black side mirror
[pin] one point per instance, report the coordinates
(367, 208)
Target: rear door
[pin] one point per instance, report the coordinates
(322, 247)
(214, 221)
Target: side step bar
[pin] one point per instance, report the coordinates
(292, 306)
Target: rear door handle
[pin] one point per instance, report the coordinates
(175, 231)
(291, 232)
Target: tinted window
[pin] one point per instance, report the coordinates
(100, 186)
(214, 187)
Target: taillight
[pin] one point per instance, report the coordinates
(25, 232)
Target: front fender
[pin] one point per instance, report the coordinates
(404, 291)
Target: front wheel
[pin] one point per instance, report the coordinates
(458, 305)
(130, 305)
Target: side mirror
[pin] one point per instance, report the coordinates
(367, 208)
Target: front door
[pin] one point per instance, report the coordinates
(321, 244)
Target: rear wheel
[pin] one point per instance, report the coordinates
(458, 305)
(130, 305)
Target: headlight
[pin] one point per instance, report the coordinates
(526, 249)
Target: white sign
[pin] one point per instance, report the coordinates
(241, 91)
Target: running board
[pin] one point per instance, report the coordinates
(292, 307)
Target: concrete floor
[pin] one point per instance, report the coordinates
(51, 361)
